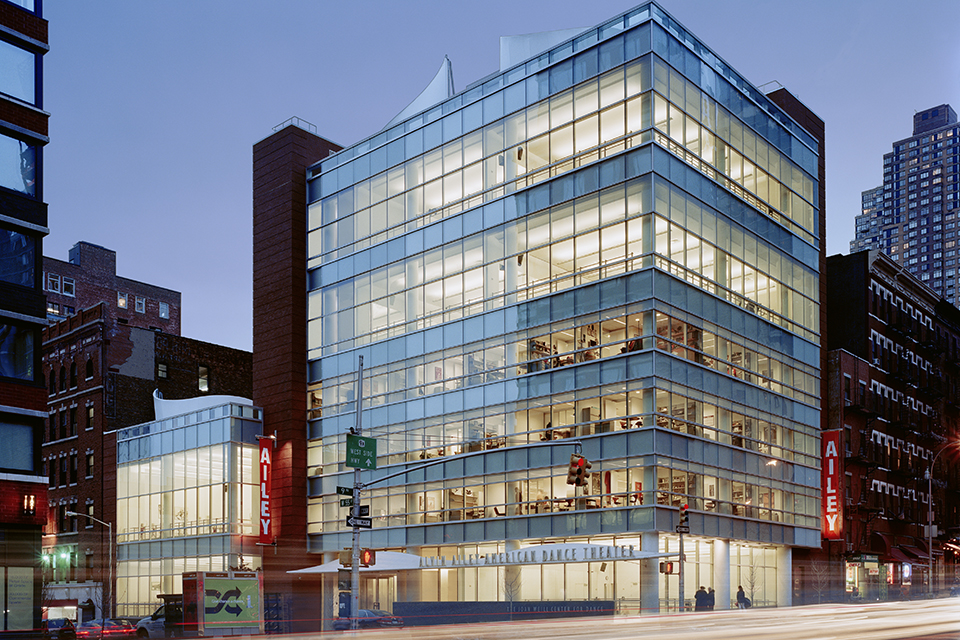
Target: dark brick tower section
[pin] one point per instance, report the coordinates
(280, 353)
(23, 225)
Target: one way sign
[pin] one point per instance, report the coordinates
(362, 523)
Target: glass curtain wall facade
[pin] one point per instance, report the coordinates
(615, 242)
(187, 500)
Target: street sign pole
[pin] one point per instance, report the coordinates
(355, 510)
(680, 528)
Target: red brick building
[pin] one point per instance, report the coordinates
(90, 277)
(23, 225)
(279, 347)
(102, 364)
(892, 375)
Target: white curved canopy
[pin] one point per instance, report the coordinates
(439, 89)
(163, 408)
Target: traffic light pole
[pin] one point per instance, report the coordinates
(681, 571)
(355, 509)
(682, 528)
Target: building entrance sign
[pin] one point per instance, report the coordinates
(832, 509)
(544, 554)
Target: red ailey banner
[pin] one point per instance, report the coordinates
(266, 464)
(831, 496)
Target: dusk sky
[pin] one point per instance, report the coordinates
(155, 106)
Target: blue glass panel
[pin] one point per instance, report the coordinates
(17, 72)
(17, 259)
(585, 65)
(561, 76)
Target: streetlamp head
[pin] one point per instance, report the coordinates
(71, 513)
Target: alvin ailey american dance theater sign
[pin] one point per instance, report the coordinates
(545, 554)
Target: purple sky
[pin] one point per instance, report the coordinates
(155, 106)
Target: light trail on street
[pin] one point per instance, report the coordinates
(874, 621)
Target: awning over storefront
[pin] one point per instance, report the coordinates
(886, 546)
(895, 555)
(916, 555)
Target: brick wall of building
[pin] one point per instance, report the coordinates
(93, 270)
(280, 347)
(116, 374)
(23, 22)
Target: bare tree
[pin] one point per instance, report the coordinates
(820, 570)
(510, 583)
(753, 577)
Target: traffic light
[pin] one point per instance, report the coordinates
(666, 567)
(583, 472)
(573, 471)
(368, 557)
(346, 558)
(684, 518)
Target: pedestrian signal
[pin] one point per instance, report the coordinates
(368, 557)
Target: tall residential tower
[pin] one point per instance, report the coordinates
(23, 225)
(915, 220)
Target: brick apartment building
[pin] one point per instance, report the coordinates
(892, 375)
(119, 342)
(23, 225)
(90, 277)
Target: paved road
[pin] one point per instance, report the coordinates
(914, 620)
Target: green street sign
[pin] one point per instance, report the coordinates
(346, 502)
(361, 452)
(344, 491)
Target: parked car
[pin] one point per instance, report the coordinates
(111, 628)
(155, 625)
(58, 629)
(369, 619)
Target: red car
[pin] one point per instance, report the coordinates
(95, 629)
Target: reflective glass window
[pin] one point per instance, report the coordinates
(18, 164)
(18, 258)
(17, 72)
(16, 351)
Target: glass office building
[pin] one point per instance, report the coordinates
(187, 498)
(613, 243)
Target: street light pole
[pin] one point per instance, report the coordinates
(110, 601)
(929, 475)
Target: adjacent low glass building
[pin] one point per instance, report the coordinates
(613, 243)
(187, 497)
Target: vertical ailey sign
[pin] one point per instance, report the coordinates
(266, 464)
(831, 496)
